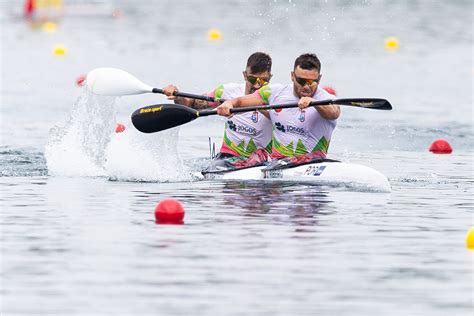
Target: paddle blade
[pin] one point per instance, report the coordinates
(368, 103)
(114, 82)
(158, 117)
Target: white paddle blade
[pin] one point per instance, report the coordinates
(114, 82)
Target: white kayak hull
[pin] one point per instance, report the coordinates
(322, 173)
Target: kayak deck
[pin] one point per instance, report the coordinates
(325, 172)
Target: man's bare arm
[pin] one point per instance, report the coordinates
(329, 112)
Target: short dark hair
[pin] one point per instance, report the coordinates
(308, 61)
(259, 62)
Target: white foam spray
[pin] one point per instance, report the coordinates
(86, 145)
(134, 156)
(78, 147)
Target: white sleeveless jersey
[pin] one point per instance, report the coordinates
(297, 132)
(244, 132)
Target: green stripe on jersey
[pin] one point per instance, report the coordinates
(219, 92)
(265, 93)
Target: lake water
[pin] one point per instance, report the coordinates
(77, 231)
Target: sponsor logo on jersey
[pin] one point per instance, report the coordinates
(294, 129)
(302, 115)
(254, 117)
(280, 127)
(289, 129)
(232, 126)
(242, 129)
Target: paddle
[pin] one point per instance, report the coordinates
(118, 82)
(158, 117)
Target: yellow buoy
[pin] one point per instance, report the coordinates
(59, 50)
(41, 4)
(49, 27)
(392, 43)
(470, 239)
(214, 35)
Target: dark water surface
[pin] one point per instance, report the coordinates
(77, 230)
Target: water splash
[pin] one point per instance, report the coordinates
(78, 147)
(87, 146)
(133, 156)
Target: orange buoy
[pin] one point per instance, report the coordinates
(441, 146)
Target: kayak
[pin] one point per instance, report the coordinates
(323, 172)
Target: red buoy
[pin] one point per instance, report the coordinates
(81, 80)
(119, 128)
(331, 90)
(441, 146)
(169, 211)
(29, 8)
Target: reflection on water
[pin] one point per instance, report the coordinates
(282, 203)
(277, 202)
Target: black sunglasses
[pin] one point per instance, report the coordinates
(262, 81)
(309, 82)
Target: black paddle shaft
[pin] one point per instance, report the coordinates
(159, 117)
(369, 103)
(190, 95)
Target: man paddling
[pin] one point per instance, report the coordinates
(299, 134)
(247, 136)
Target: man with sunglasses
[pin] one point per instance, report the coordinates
(247, 136)
(299, 134)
